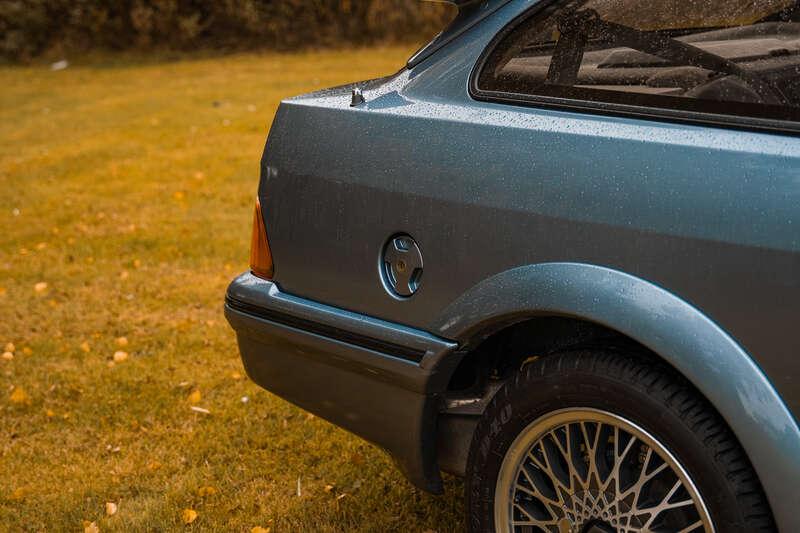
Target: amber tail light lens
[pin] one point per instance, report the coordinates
(260, 255)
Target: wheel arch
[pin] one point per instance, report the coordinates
(665, 325)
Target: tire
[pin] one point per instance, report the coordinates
(568, 405)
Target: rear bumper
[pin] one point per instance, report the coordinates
(379, 380)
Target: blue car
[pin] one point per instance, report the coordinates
(557, 254)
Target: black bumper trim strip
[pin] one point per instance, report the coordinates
(331, 332)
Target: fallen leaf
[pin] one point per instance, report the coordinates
(10, 347)
(357, 458)
(41, 246)
(27, 350)
(178, 195)
(120, 356)
(17, 494)
(259, 529)
(18, 395)
(40, 287)
(200, 410)
(91, 527)
(330, 488)
(236, 375)
(195, 397)
(8, 356)
(85, 347)
(124, 275)
(154, 465)
(122, 341)
(49, 413)
(3, 291)
(111, 508)
(206, 491)
(188, 516)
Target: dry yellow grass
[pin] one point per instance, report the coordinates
(127, 196)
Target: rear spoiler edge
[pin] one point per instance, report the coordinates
(470, 12)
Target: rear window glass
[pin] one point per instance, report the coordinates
(730, 57)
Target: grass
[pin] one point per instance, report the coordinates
(127, 189)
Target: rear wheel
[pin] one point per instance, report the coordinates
(600, 442)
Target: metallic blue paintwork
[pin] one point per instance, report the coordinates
(526, 210)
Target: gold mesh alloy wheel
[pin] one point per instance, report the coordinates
(585, 470)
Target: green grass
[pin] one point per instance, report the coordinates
(127, 187)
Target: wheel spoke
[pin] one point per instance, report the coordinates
(532, 520)
(692, 527)
(597, 466)
(664, 505)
